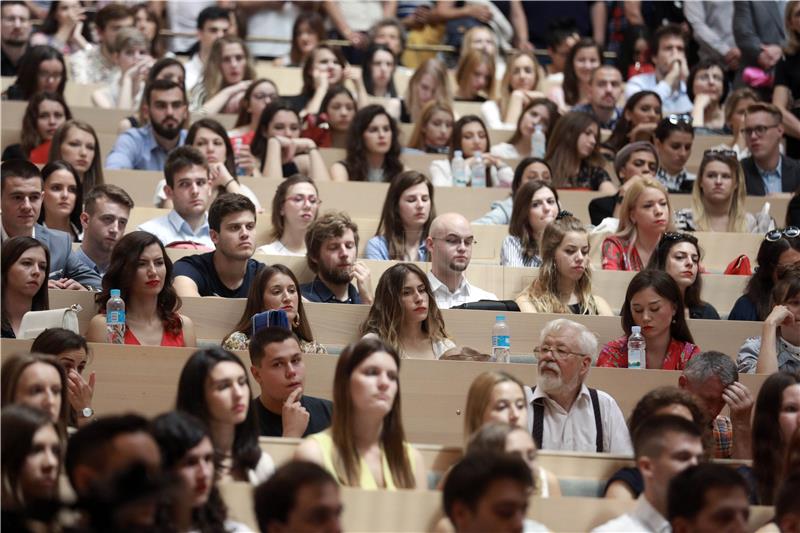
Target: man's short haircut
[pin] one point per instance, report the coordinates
(604, 67)
(162, 85)
(668, 30)
(110, 13)
(648, 439)
(228, 204)
(331, 224)
(764, 107)
(18, 168)
(182, 158)
(705, 365)
(15, 3)
(110, 191)
(88, 446)
(275, 498)
(212, 13)
(586, 339)
(266, 336)
(687, 491)
(470, 478)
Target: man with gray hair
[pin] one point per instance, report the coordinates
(564, 413)
(712, 378)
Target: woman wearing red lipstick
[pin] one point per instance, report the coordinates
(213, 386)
(25, 267)
(653, 302)
(44, 114)
(188, 453)
(405, 220)
(373, 148)
(274, 287)
(62, 201)
(226, 77)
(645, 214)
(678, 254)
(564, 284)
(32, 449)
(76, 142)
(411, 322)
(365, 446)
(141, 269)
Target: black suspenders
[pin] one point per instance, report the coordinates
(538, 420)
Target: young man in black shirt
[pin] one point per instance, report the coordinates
(278, 367)
(229, 270)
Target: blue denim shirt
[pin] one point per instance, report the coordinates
(137, 149)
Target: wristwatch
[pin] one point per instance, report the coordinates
(87, 412)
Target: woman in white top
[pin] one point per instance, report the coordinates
(535, 206)
(517, 89)
(213, 386)
(538, 112)
(471, 136)
(294, 208)
(404, 314)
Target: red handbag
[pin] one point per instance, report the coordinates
(739, 266)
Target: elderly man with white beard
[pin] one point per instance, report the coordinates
(564, 413)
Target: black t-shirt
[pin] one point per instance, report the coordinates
(319, 410)
(787, 73)
(200, 268)
(630, 476)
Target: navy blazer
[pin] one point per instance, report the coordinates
(63, 263)
(790, 176)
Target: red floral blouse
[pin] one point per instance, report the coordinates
(615, 354)
(614, 257)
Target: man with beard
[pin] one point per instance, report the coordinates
(450, 244)
(229, 270)
(146, 148)
(564, 413)
(332, 246)
(106, 211)
(605, 90)
(14, 34)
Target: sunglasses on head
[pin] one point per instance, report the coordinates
(777, 234)
(675, 236)
(720, 153)
(676, 119)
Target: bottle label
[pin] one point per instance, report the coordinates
(115, 317)
(501, 341)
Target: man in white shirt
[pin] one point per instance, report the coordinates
(669, 79)
(450, 244)
(665, 445)
(564, 413)
(186, 173)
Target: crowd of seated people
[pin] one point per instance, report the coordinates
(692, 135)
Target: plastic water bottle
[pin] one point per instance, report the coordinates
(459, 169)
(501, 340)
(538, 142)
(237, 145)
(636, 348)
(478, 171)
(115, 318)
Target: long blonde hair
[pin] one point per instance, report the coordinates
(505, 84)
(737, 222)
(626, 231)
(470, 61)
(213, 82)
(543, 291)
(478, 398)
(417, 139)
(437, 69)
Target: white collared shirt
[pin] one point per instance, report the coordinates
(465, 293)
(574, 430)
(172, 228)
(643, 517)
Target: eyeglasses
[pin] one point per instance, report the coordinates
(758, 130)
(453, 240)
(558, 353)
(674, 236)
(299, 199)
(775, 235)
(720, 153)
(678, 119)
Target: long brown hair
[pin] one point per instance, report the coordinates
(562, 149)
(417, 139)
(478, 398)
(30, 137)
(571, 81)
(386, 314)
(390, 226)
(94, 175)
(213, 81)
(392, 438)
(12, 371)
(520, 226)
(737, 223)
(255, 303)
(12, 250)
(279, 199)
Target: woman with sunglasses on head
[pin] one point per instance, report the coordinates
(529, 169)
(678, 254)
(564, 284)
(778, 347)
(780, 248)
(294, 208)
(674, 136)
(653, 302)
(639, 119)
(535, 206)
(718, 198)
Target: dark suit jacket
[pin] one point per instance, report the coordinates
(754, 24)
(790, 176)
(63, 263)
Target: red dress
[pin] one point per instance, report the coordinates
(167, 339)
(615, 354)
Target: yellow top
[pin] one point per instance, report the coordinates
(366, 479)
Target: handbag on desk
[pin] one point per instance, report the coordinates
(35, 322)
